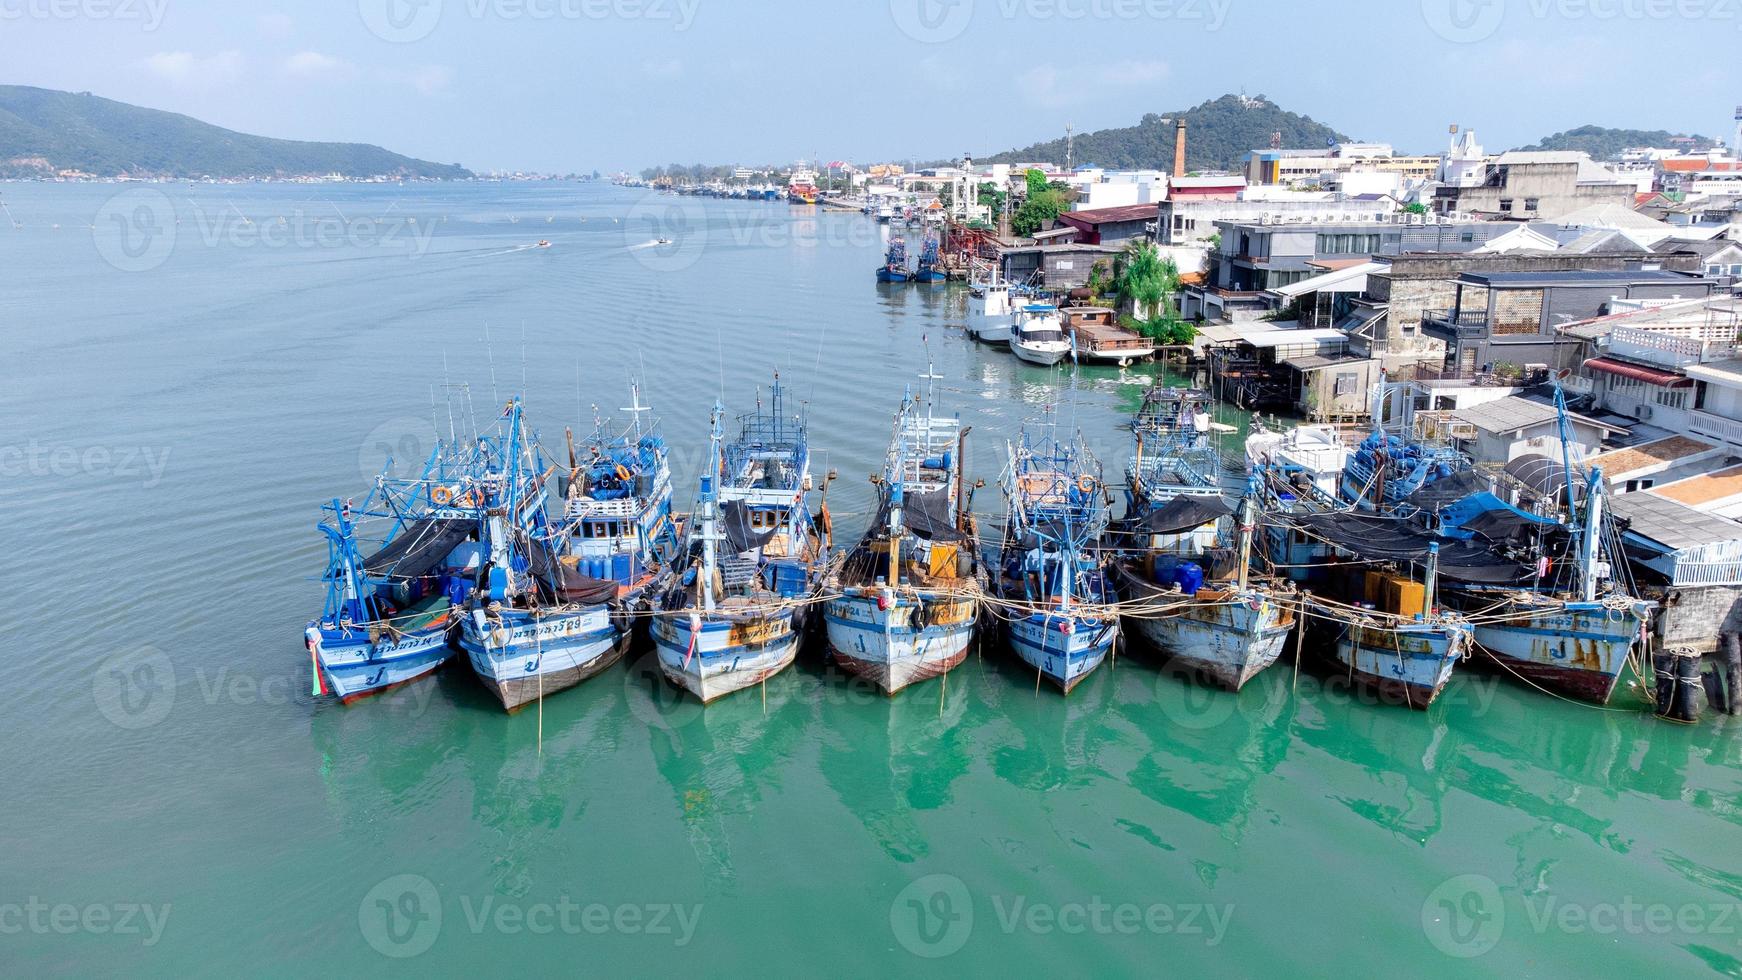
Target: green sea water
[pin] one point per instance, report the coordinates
(189, 371)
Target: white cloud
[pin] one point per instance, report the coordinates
(323, 67)
(427, 80)
(187, 69)
(669, 68)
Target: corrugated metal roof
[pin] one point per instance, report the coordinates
(1512, 413)
(1672, 524)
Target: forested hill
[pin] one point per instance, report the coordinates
(1219, 134)
(43, 131)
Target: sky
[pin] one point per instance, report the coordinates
(577, 85)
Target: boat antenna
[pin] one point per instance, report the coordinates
(490, 356)
(448, 396)
(635, 408)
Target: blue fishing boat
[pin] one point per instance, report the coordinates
(1185, 571)
(930, 268)
(1545, 604)
(894, 267)
(754, 555)
(617, 509)
(1052, 589)
(389, 618)
(1370, 581)
(906, 598)
(536, 623)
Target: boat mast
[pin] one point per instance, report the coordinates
(1247, 519)
(1593, 515)
(710, 512)
(635, 408)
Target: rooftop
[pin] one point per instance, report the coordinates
(1574, 277)
(1672, 523)
(1624, 462)
(1513, 413)
(1707, 488)
(1124, 212)
(1726, 373)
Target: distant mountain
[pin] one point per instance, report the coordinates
(1607, 144)
(43, 131)
(1219, 134)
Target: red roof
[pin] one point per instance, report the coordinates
(1662, 379)
(1098, 216)
(1696, 165)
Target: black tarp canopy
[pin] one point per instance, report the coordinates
(1184, 513)
(1447, 490)
(418, 547)
(1389, 539)
(570, 585)
(740, 536)
(924, 515)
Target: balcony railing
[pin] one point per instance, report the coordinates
(1456, 323)
(1715, 426)
(1657, 347)
(1461, 318)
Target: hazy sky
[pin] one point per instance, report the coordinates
(577, 84)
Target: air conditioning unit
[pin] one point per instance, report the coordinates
(1644, 412)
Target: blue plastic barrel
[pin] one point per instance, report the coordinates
(620, 568)
(1190, 577)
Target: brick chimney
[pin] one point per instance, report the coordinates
(1179, 147)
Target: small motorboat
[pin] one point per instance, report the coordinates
(543, 243)
(662, 241)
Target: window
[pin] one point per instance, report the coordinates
(1530, 203)
(1633, 485)
(1714, 270)
(1345, 384)
(1506, 204)
(1671, 397)
(1468, 236)
(1736, 269)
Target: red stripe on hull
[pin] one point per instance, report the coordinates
(878, 673)
(1586, 685)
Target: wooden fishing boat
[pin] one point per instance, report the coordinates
(536, 624)
(755, 555)
(905, 601)
(1185, 566)
(1051, 590)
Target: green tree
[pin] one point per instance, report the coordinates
(1415, 207)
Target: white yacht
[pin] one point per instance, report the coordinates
(990, 313)
(1038, 336)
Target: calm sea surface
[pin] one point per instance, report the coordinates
(189, 371)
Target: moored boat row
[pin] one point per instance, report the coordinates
(473, 557)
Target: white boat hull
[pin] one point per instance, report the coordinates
(1229, 642)
(885, 646)
(1043, 356)
(725, 655)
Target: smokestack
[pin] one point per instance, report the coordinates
(1179, 147)
(1736, 145)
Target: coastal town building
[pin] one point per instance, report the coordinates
(1508, 320)
(1536, 185)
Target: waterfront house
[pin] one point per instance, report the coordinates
(1503, 429)
(1688, 560)
(1670, 364)
(1111, 226)
(1508, 321)
(1062, 266)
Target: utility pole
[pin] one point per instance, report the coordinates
(1069, 145)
